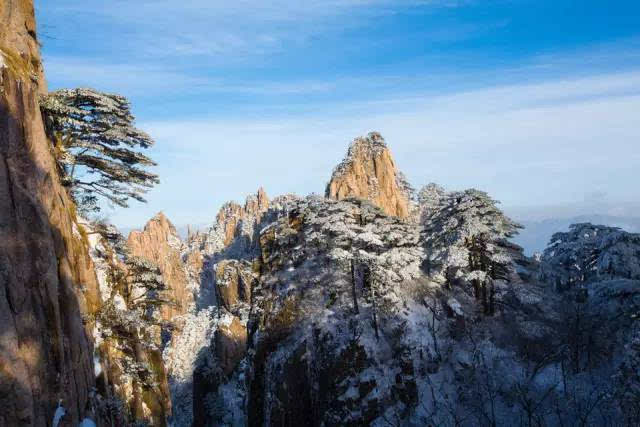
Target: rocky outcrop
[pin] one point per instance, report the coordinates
(145, 402)
(219, 262)
(302, 295)
(351, 323)
(234, 280)
(159, 243)
(369, 172)
(233, 231)
(232, 215)
(228, 217)
(47, 282)
(230, 344)
(347, 312)
(19, 49)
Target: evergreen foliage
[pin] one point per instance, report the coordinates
(130, 316)
(97, 146)
(628, 380)
(467, 240)
(589, 253)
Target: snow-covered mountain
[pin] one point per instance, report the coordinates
(316, 311)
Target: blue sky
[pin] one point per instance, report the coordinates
(536, 102)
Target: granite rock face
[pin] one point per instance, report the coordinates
(369, 172)
(159, 243)
(234, 281)
(234, 218)
(47, 281)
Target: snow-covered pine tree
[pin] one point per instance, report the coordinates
(130, 324)
(97, 146)
(467, 240)
(627, 380)
(588, 253)
(430, 199)
(137, 281)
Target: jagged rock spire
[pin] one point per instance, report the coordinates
(231, 214)
(369, 172)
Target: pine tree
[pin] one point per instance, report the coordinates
(129, 321)
(467, 240)
(137, 289)
(98, 147)
(627, 379)
(588, 253)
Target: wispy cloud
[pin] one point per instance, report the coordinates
(149, 79)
(222, 30)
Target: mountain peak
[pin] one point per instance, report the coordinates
(159, 243)
(232, 214)
(369, 172)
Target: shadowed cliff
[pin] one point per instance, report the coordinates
(46, 277)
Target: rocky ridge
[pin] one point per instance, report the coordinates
(358, 317)
(370, 306)
(62, 361)
(234, 224)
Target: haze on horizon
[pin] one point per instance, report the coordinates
(535, 102)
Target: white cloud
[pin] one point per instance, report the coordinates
(150, 80)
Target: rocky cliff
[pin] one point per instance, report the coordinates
(47, 282)
(128, 333)
(233, 221)
(369, 172)
(159, 243)
(59, 363)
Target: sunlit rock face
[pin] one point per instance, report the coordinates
(47, 282)
(221, 263)
(369, 172)
(234, 219)
(159, 243)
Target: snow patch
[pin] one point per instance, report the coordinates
(59, 414)
(87, 422)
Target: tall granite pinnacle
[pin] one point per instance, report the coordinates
(369, 172)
